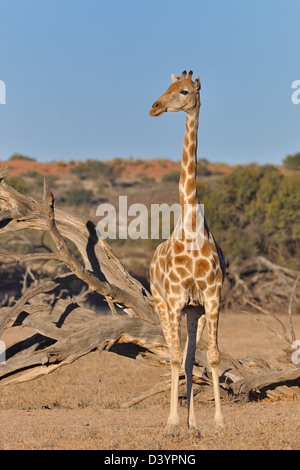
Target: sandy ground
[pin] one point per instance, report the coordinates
(65, 410)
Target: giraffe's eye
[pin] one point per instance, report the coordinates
(184, 92)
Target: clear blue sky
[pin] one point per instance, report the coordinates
(81, 76)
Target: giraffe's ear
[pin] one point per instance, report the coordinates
(197, 83)
(175, 78)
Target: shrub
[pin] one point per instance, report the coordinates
(173, 176)
(32, 173)
(18, 184)
(50, 179)
(19, 156)
(255, 211)
(202, 170)
(96, 168)
(78, 197)
(292, 161)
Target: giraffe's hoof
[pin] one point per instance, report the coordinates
(172, 431)
(195, 433)
(220, 425)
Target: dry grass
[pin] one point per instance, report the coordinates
(63, 411)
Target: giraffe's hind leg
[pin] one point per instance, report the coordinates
(192, 323)
(212, 307)
(161, 308)
(195, 324)
(199, 312)
(201, 326)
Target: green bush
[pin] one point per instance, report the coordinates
(50, 179)
(255, 211)
(18, 184)
(90, 168)
(202, 170)
(78, 197)
(292, 161)
(95, 168)
(173, 176)
(19, 156)
(32, 174)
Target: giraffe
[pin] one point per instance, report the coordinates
(187, 272)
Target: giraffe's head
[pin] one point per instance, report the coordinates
(182, 95)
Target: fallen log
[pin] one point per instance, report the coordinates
(264, 380)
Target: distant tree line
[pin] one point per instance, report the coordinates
(292, 161)
(252, 210)
(255, 211)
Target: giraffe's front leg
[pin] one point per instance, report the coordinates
(176, 361)
(172, 337)
(212, 313)
(195, 325)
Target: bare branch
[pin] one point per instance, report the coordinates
(102, 271)
(150, 392)
(274, 267)
(284, 336)
(7, 312)
(112, 307)
(276, 332)
(20, 257)
(3, 171)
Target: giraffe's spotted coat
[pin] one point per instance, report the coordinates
(185, 279)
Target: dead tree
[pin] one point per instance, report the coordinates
(260, 279)
(65, 330)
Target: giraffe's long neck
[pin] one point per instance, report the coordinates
(187, 184)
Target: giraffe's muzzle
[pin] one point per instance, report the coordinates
(157, 109)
